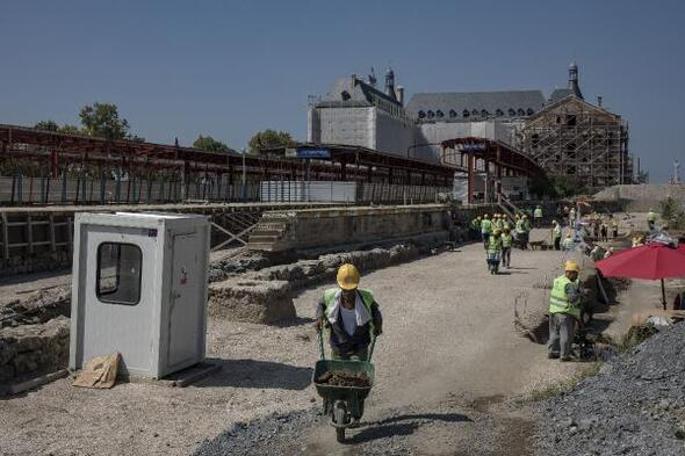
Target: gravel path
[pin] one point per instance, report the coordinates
(448, 358)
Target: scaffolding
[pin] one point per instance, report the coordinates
(576, 139)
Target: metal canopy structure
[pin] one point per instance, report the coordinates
(494, 159)
(360, 163)
(57, 151)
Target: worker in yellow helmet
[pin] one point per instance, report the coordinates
(564, 312)
(351, 314)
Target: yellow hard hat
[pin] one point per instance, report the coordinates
(496, 232)
(348, 277)
(571, 265)
(485, 216)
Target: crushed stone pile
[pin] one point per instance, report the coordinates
(634, 406)
(344, 378)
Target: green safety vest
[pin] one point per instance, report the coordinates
(486, 226)
(557, 231)
(537, 213)
(519, 226)
(475, 224)
(507, 240)
(494, 245)
(558, 299)
(329, 301)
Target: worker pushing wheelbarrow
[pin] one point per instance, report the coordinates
(353, 321)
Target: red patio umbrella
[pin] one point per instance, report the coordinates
(652, 261)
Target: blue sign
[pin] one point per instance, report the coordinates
(313, 153)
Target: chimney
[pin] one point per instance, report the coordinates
(599, 101)
(399, 91)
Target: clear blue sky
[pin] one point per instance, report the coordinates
(231, 68)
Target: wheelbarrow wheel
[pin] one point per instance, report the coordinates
(340, 417)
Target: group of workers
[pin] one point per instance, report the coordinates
(500, 233)
(600, 226)
(353, 317)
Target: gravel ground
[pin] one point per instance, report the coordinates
(635, 406)
(449, 351)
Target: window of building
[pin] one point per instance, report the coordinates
(422, 114)
(465, 113)
(453, 113)
(119, 275)
(439, 113)
(431, 114)
(530, 111)
(499, 112)
(474, 112)
(345, 95)
(570, 119)
(521, 112)
(512, 112)
(484, 113)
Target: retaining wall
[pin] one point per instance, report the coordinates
(329, 227)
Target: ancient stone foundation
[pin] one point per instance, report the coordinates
(266, 296)
(28, 351)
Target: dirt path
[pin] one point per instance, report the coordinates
(448, 353)
(447, 362)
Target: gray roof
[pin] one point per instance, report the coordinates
(356, 93)
(558, 94)
(452, 105)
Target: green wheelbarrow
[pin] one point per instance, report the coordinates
(344, 404)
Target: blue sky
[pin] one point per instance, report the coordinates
(231, 68)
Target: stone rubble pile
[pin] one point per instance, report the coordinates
(634, 406)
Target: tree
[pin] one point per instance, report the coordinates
(269, 139)
(47, 125)
(102, 120)
(70, 130)
(210, 144)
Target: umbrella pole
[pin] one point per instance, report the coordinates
(663, 294)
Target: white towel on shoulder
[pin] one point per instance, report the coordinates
(360, 312)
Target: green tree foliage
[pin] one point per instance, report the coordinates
(102, 120)
(210, 144)
(269, 139)
(47, 125)
(556, 186)
(672, 213)
(70, 129)
(51, 125)
(99, 119)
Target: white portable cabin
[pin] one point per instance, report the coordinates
(139, 287)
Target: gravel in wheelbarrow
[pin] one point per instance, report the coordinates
(344, 378)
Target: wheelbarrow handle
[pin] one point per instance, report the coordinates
(372, 346)
(322, 354)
